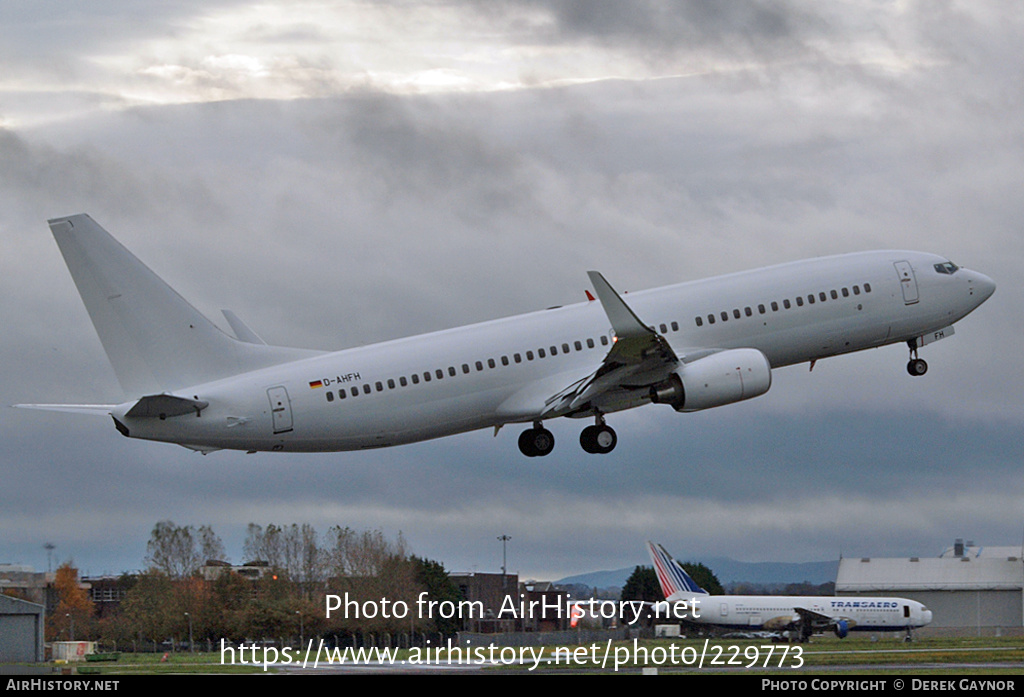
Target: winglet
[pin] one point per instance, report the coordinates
(624, 320)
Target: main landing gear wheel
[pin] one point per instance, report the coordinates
(536, 442)
(598, 439)
(917, 367)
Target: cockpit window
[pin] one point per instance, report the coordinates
(947, 267)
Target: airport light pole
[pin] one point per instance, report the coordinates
(504, 562)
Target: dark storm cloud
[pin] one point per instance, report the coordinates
(674, 24)
(428, 147)
(37, 174)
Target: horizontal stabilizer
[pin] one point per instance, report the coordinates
(96, 409)
(164, 405)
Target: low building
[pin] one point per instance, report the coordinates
(253, 571)
(24, 582)
(547, 608)
(969, 589)
(22, 626)
(495, 595)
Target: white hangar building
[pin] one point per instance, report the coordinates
(969, 589)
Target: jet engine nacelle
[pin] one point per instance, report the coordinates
(721, 378)
(842, 628)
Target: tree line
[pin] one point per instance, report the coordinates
(294, 568)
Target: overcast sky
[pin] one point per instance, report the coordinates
(339, 173)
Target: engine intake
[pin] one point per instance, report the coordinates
(721, 378)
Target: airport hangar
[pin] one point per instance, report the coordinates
(971, 590)
(21, 631)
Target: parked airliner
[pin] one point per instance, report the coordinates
(779, 613)
(690, 346)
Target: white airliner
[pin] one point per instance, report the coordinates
(689, 346)
(781, 613)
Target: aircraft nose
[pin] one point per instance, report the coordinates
(981, 286)
(926, 615)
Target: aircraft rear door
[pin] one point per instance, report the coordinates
(281, 409)
(907, 282)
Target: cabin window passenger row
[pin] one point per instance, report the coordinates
(822, 296)
(438, 373)
(541, 353)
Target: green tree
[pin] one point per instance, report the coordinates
(642, 584)
(149, 609)
(704, 577)
(232, 596)
(433, 579)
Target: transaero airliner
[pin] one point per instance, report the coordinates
(690, 346)
(780, 613)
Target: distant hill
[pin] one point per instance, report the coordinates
(728, 571)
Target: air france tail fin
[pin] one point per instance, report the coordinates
(673, 579)
(155, 340)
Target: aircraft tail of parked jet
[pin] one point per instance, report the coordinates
(674, 581)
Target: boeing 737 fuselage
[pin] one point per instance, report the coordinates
(690, 346)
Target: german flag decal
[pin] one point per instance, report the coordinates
(315, 384)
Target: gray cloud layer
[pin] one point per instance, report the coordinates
(371, 213)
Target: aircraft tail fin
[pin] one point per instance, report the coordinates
(671, 575)
(155, 340)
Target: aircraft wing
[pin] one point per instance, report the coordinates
(639, 357)
(812, 616)
(812, 620)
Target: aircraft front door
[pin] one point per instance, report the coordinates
(907, 282)
(280, 409)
